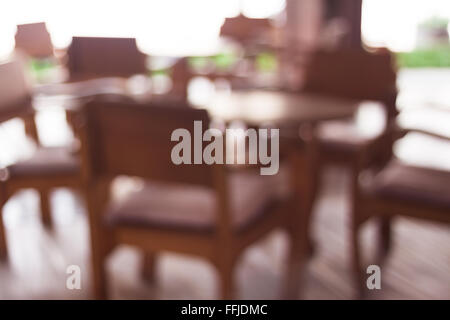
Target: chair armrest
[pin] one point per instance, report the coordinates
(374, 152)
(401, 132)
(366, 152)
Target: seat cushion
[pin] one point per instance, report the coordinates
(368, 123)
(420, 185)
(164, 205)
(341, 136)
(47, 161)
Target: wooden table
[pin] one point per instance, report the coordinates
(287, 111)
(256, 107)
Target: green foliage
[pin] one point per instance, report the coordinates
(438, 57)
(221, 61)
(198, 62)
(224, 60)
(159, 72)
(38, 66)
(435, 22)
(266, 62)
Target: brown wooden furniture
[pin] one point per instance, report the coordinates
(397, 189)
(254, 36)
(181, 75)
(98, 65)
(210, 211)
(259, 107)
(48, 168)
(95, 57)
(246, 30)
(289, 112)
(351, 74)
(361, 76)
(34, 40)
(15, 98)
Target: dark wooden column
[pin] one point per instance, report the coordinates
(350, 10)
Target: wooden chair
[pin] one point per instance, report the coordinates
(34, 40)
(210, 211)
(47, 168)
(181, 75)
(99, 66)
(246, 31)
(396, 189)
(94, 57)
(353, 74)
(255, 36)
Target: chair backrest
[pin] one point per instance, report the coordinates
(245, 29)
(14, 90)
(181, 75)
(353, 74)
(34, 40)
(130, 138)
(93, 57)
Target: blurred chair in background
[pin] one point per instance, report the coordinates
(92, 57)
(15, 98)
(180, 75)
(48, 167)
(396, 189)
(99, 66)
(353, 74)
(259, 43)
(218, 211)
(247, 31)
(34, 40)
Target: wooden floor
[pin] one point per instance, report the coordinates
(419, 267)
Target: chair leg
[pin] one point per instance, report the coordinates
(298, 252)
(148, 268)
(226, 268)
(311, 246)
(385, 236)
(356, 261)
(45, 208)
(99, 275)
(31, 128)
(3, 244)
(99, 240)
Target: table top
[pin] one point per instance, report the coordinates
(259, 107)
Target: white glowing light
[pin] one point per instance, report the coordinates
(169, 27)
